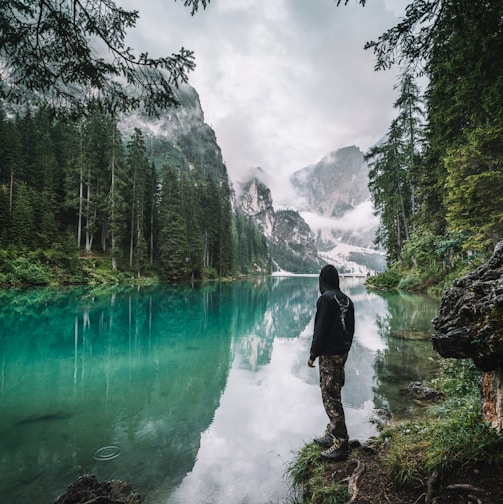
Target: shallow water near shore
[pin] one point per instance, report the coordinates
(194, 394)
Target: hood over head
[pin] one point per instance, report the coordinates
(329, 278)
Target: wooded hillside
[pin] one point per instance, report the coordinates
(437, 180)
(79, 187)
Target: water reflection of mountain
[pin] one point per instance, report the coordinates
(140, 371)
(275, 308)
(360, 364)
(391, 346)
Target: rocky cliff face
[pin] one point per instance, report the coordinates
(333, 191)
(333, 186)
(470, 322)
(336, 188)
(180, 136)
(255, 201)
(290, 241)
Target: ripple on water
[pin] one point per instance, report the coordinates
(107, 452)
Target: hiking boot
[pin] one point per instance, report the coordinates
(326, 439)
(338, 451)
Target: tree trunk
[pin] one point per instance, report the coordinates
(131, 243)
(492, 395)
(112, 203)
(81, 193)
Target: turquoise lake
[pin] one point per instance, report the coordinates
(193, 394)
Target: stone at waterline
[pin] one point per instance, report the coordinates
(470, 325)
(422, 392)
(87, 490)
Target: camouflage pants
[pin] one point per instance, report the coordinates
(331, 382)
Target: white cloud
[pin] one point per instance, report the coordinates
(360, 220)
(282, 83)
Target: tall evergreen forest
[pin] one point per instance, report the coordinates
(80, 203)
(437, 178)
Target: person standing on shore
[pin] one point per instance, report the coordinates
(334, 326)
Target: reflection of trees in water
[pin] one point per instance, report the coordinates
(410, 312)
(146, 368)
(283, 310)
(141, 368)
(408, 355)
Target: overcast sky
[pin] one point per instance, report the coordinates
(281, 82)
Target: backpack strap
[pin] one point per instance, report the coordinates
(343, 302)
(343, 308)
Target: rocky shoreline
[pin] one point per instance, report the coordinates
(88, 490)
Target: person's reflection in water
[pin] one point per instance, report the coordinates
(334, 326)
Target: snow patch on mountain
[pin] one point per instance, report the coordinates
(354, 260)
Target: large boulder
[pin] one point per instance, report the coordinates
(87, 490)
(470, 320)
(470, 325)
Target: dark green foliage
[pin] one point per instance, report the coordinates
(475, 188)
(251, 252)
(387, 280)
(391, 177)
(455, 176)
(77, 188)
(22, 266)
(428, 261)
(48, 57)
(173, 243)
(226, 248)
(22, 229)
(454, 433)
(138, 169)
(63, 177)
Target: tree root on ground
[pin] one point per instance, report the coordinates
(428, 499)
(464, 486)
(353, 482)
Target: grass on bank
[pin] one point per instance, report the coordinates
(452, 435)
(65, 266)
(310, 484)
(430, 263)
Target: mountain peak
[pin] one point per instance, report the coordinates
(336, 184)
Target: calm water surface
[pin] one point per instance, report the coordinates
(192, 394)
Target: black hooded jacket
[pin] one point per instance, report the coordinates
(330, 336)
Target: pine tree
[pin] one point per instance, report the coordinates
(23, 221)
(116, 200)
(173, 248)
(455, 44)
(211, 224)
(475, 188)
(151, 213)
(10, 158)
(65, 138)
(45, 181)
(192, 191)
(73, 204)
(51, 53)
(226, 250)
(95, 168)
(138, 167)
(392, 180)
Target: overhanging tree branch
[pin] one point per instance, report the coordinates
(410, 41)
(66, 53)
